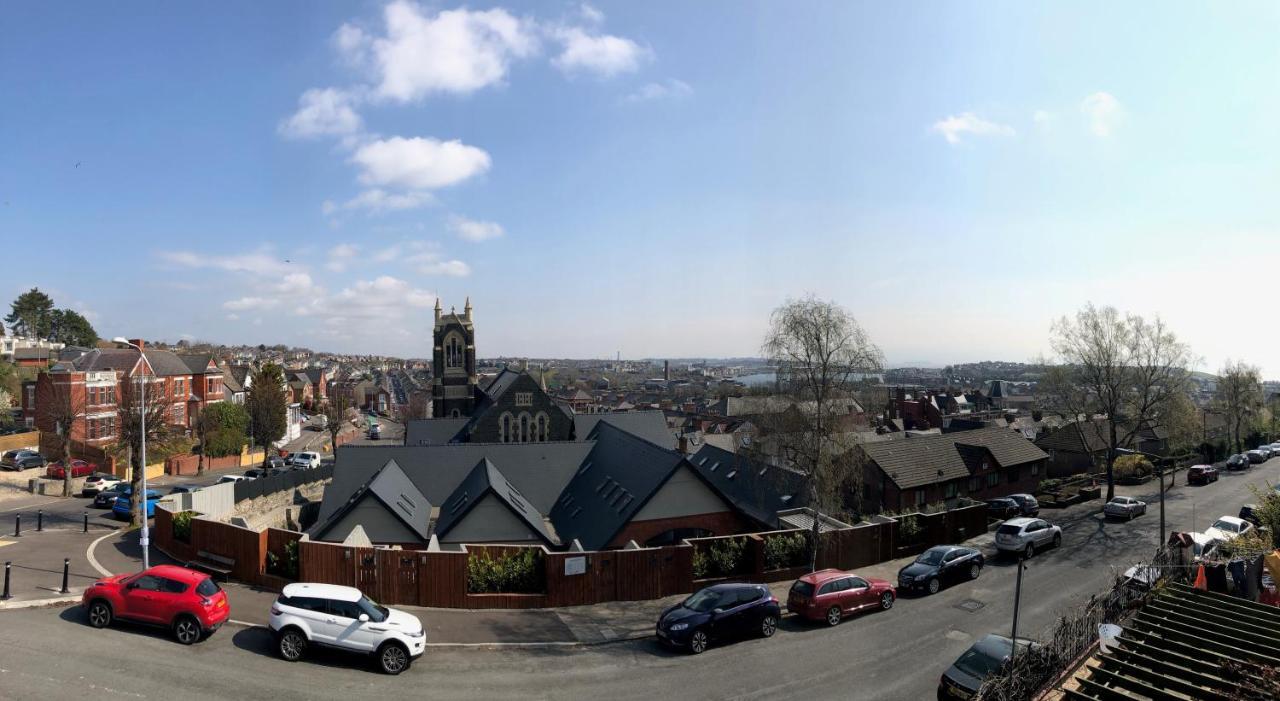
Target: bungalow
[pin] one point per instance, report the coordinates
(1082, 446)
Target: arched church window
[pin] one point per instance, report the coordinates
(453, 352)
(543, 427)
(504, 429)
(524, 428)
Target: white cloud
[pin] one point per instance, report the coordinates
(382, 297)
(1104, 113)
(419, 163)
(249, 303)
(322, 112)
(428, 261)
(671, 88)
(260, 262)
(352, 43)
(340, 256)
(387, 254)
(233, 317)
(591, 14)
(604, 54)
(290, 289)
(954, 126)
(378, 201)
(1043, 118)
(454, 51)
(473, 230)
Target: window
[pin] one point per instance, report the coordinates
(147, 583)
(975, 484)
(345, 609)
(453, 352)
(1035, 469)
(172, 586)
(178, 414)
(504, 429)
(993, 479)
(207, 587)
(746, 595)
(919, 497)
(376, 613)
(524, 428)
(544, 427)
(856, 583)
(949, 490)
(180, 386)
(524, 398)
(93, 396)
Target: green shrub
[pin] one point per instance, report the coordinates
(182, 525)
(1049, 486)
(1135, 466)
(520, 573)
(287, 566)
(908, 527)
(721, 559)
(786, 550)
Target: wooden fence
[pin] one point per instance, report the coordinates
(16, 441)
(439, 578)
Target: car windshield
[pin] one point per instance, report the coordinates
(931, 557)
(977, 663)
(376, 613)
(1224, 525)
(702, 601)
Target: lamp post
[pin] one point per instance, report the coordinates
(144, 536)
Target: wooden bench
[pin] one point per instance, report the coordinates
(214, 564)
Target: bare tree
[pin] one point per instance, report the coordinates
(335, 413)
(1239, 398)
(1123, 369)
(130, 412)
(823, 353)
(61, 410)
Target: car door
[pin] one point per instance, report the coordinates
(947, 570)
(314, 612)
(1043, 533)
(348, 631)
(141, 599)
(857, 592)
(166, 600)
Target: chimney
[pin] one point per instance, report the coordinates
(666, 370)
(684, 444)
(139, 343)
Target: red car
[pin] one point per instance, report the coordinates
(830, 595)
(1202, 474)
(187, 602)
(79, 468)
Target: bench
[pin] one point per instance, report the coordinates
(214, 564)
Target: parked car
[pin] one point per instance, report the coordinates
(16, 460)
(830, 595)
(1028, 504)
(941, 564)
(120, 508)
(79, 468)
(1027, 535)
(188, 603)
(1249, 512)
(1124, 507)
(184, 489)
(1237, 462)
(374, 432)
(1228, 527)
(342, 617)
(963, 678)
(259, 472)
(1256, 456)
(306, 460)
(719, 612)
(99, 482)
(1202, 474)
(1003, 508)
(1203, 545)
(275, 462)
(231, 478)
(107, 499)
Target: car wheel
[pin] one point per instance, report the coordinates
(886, 601)
(1030, 551)
(934, 585)
(186, 629)
(833, 616)
(974, 571)
(100, 614)
(698, 642)
(393, 658)
(292, 644)
(1057, 539)
(769, 625)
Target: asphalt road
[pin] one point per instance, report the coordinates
(898, 654)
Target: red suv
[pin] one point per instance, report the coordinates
(187, 602)
(79, 468)
(830, 595)
(1202, 474)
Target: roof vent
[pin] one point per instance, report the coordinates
(713, 467)
(787, 499)
(585, 466)
(576, 511)
(732, 474)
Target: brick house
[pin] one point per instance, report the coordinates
(979, 464)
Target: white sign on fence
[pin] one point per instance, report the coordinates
(575, 565)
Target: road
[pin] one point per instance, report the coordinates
(891, 655)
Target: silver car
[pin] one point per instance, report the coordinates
(1124, 507)
(1027, 535)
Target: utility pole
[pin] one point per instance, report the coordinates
(1017, 600)
(1160, 473)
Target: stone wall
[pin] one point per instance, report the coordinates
(279, 510)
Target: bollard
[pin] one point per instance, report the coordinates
(6, 580)
(66, 570)
(39, 520)
(17, 525)
(86, 522)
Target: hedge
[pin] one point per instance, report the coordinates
(786, 550)
(721, 559)
(520, 573)
(182, 526)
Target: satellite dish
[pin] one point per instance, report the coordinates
(1109, 636)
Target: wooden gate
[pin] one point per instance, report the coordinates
(638, 574)
(397, 578)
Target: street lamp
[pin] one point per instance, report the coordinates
(144, 537)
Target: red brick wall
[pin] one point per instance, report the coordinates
(723, 523)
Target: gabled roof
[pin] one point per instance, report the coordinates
(921, 460)
(1081, 437)
(501, 383)
(391, 486)
(649, 425)
(230, 383)
(755, 488)
(433, 431)
(484, 479)
(198, 363)
(617, 478)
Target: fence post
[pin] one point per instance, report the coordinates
(17, 526)
(86, 522)
(7, 565)
(39, 520)
(66, 569)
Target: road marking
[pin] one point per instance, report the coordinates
(7, 542)
(88, 555)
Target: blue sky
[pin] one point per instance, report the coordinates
(650, 178)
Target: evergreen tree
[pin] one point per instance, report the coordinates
(268, 406)
(32, 314)
(69, 327)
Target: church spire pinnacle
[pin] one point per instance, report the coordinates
(466, 311)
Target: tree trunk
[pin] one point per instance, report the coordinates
(1111, 463)
(66, 465)
(135, 487)
(817, 526)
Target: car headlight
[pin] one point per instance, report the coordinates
(679, 626)
(922, 577)
(419, 634)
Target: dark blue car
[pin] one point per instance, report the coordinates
(121, 507)
(720, 612)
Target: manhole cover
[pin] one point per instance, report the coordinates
(970, 605)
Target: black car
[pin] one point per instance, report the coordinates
(719, 612)
(938, 565)
(1003, 508)
(1249, 512)
(21, 460)
(963, 678)
(107, 499)
(258, 472)
(1237, 462)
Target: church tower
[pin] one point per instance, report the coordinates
(453, 364)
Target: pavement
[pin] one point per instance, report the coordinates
(896, 654)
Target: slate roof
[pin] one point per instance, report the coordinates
(1079, 436)
(163, 363)
(433, 431)
(391, 486)
(197, 363)
(229, 381)
(617, 478)
(755, 488)
(649, 425)
(484, 479)
(917, 461)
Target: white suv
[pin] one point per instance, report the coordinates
(343, 618)
(305, 460)
(1026, 535)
